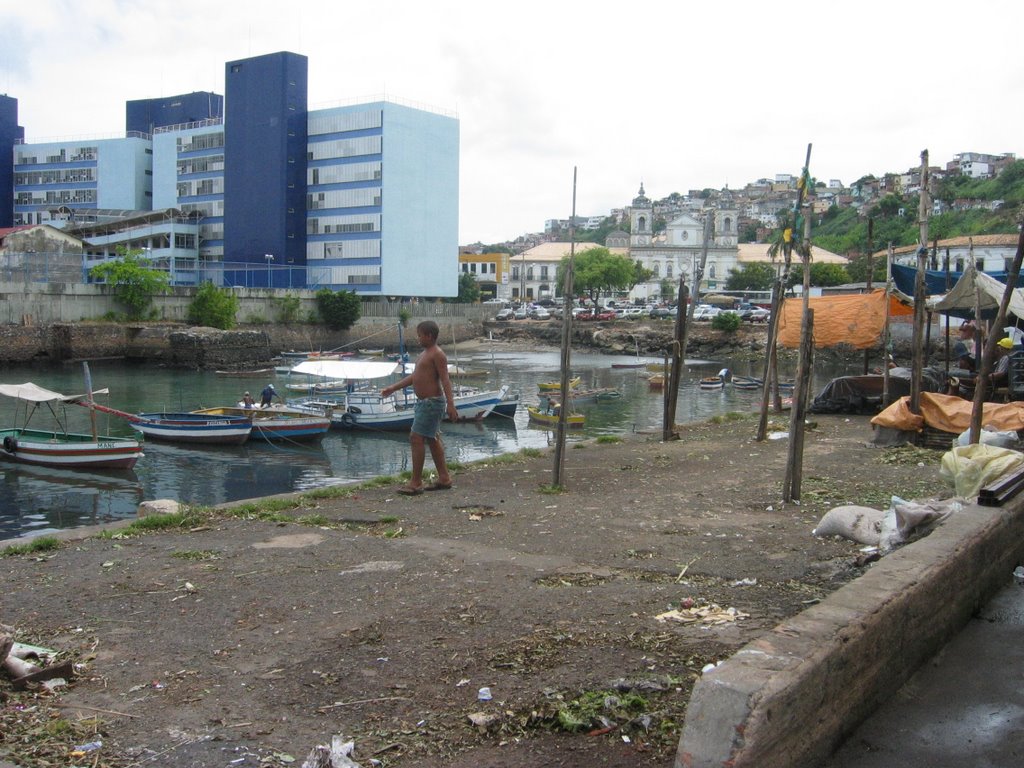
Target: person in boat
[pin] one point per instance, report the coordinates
(1000, 376)
(267, 396)
(434, 396)
(247, 401)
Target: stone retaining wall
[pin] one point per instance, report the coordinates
(789, 698)
(183, 346)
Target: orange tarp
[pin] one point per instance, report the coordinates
(949, 414)
(855, 319)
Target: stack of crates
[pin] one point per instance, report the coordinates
(1015, 379)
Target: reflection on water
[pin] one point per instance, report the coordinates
(35, 500)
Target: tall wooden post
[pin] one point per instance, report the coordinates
(871, 270)
(794, 464)
(886, 330)
(770, 367)
(566, 363)
(920, 292)
(684, 318)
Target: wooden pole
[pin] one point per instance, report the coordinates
(566, 364)
(886, 328)
(794, 463)
(871, 269)
(684, 317)
(920, 292)
(770, 383)
(985, 369)
(675, 373)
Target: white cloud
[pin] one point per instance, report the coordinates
(678, 95)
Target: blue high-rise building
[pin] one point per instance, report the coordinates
(146, 115)
(10, 134)
(265, 161)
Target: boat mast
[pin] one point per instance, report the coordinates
(88, 393)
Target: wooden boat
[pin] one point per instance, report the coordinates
(582, 396)
(276, 422)
(549, 418)
(656, 381)
(364, 408)
(375, 352)
(556, 386)
(747, 382)
(194, 428)
(629, 365)
(255, 373)
(711, 383)
(58, 447)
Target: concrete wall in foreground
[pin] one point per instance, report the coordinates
(789, 698)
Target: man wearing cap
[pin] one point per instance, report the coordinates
(1001, 372)
(267, 396)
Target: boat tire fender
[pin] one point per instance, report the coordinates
(348, 420)
(10, 444)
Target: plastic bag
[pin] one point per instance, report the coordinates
(989, 435)
(968, 468)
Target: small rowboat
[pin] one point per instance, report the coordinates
(375, 352)
(747, 382)
(556, 386)
(656, 381)
(583, 396)
(711, 383)
(275, 422)
(193, 428)
(550, 419)
(58, 447)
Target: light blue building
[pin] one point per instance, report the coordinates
(382, 200)
(84, 173)
(359, 197)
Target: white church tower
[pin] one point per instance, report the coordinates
(641, 221)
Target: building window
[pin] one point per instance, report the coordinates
(544, 273)
(656, 270)
(641, 224)
(529, 273)
(668, 270)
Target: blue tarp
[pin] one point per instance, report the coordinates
(935, 281)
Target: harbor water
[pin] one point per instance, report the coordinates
(38, 500)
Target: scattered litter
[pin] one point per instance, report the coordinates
(709, 615)
(334, 756)
(1018, 574)
(462, 682)
(484, 694)
(482, 720)
(778, 435)
(708, 667)
(748, 582)
(92, 746)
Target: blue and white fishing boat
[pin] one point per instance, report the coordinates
(360, 406)
(276, 422)
(193, 428)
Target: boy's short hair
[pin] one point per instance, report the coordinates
(429, 327)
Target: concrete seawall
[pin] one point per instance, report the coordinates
(788, 699)
(183, 346)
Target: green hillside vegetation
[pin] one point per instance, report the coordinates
(842, 231)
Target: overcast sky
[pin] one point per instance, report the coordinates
(678, 95)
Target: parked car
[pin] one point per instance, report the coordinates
(505, 314)
(539, 313)
(657, 312)
(494, 301)
(633, 313)
(759, 315)
(605, 314)
(706, 312)
(521, 313)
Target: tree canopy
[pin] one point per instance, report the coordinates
(134, 281)
(339, 309)
(469, 289)
(598, 270)
(753, 276)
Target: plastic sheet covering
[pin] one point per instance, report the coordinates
(856, 319)
(949, 413)
(969, 468)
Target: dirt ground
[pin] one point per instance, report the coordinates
(246, 637)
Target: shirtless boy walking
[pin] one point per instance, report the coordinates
(433, 388)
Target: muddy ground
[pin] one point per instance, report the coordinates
(246, 637)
